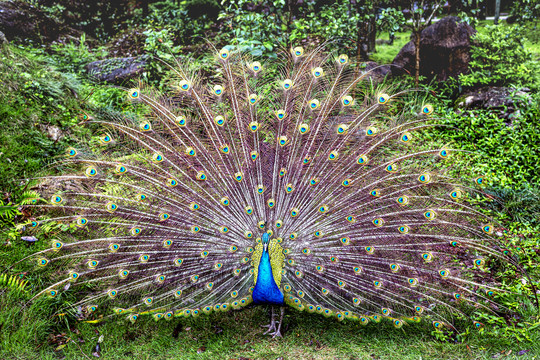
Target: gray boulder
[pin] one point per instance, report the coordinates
(503, 101)
(375, 71)
(118, 70)
(444, 50)
(22, 21)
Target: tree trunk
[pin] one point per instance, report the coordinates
(289, 24)
(372, 32)
(497, 11)
(417, 56)
(358, 44)
(145, 4)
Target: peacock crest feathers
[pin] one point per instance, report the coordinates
(162, 214)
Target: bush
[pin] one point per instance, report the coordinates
(499, 58)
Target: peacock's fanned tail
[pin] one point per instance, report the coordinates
(165, 216)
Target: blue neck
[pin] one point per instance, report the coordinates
(266, 290)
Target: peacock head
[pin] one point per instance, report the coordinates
(265, 241)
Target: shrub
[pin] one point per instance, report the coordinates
(499, 58)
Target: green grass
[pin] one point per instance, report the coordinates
(385, 53)
(38, 107)
(31, 332)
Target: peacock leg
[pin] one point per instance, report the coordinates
(277, 333)
(272, 326)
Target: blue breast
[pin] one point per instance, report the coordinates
(266, 291)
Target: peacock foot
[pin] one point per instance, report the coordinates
(272, 329)
(272, 326)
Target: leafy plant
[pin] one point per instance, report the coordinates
(391, 20)
(12, 282)
(160, 46)
(499, 58)
(73, 56)
(526, 10)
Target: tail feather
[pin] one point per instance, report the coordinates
(168, 208)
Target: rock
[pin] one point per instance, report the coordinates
(117, 70)
(375, 71)
(3, 39)
(444, 50)
(21, 21)
(54, 133)
(494, 98)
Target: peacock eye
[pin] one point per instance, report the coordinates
(164, 216)
(342, 129)
(253, 98)
(256, 66)
(298, 51)
(427, 110)
(218, 90)
(371, 131)
(219, 120)
(342, 59)
(133, 93)
(90, 171)
(72, 152)
(333, 155)
(184, 85)
(201, 176)
(314, 104)
(145, 126)
(190, 151)
(287, 84)
(347, 100)
(56, 199)
(280, 114)
(362, 160)
(383, 99)
(167, 243)
(443, 153)
(303, 128)
(406, 137)
(317, 72)
(224, 54)
(180, 120)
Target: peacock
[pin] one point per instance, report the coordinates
(301, 189)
